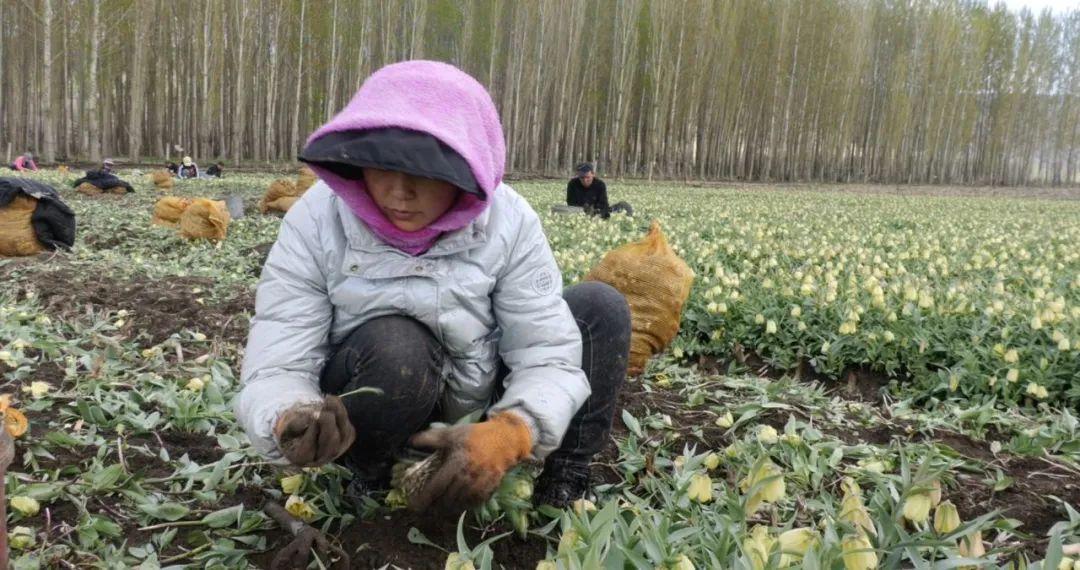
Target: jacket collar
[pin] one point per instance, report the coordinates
(361, 238)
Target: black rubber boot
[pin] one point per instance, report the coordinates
(561, 484)
(367, 483)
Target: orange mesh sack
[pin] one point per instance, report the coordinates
(305, 179)
(280, 196)
(162, 179)
(205, 219)
(282, 204)
(88, 189)
(656, 284)
(167, 211)
(17, 237)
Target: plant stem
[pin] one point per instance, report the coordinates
(363, 390)
(7, 454)
(170, 525)
(172, 478)
(187, 554)
(3, 519)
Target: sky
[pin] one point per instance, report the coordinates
(1036, 6)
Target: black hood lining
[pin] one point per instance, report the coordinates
(347, 153)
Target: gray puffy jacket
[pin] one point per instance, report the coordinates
(489, 291)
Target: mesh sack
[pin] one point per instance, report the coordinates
(162, 179)
(205, 219)
(282, 204)
(280, 188)
(305, 179)
(88, 189)
(167, 211)
(17, 237)
(656, 284)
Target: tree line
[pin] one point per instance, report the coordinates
(897, 91)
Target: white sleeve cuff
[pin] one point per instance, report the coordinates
(262, 401)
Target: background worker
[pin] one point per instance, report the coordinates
(24, 162)
(587, 191)
(188, 168)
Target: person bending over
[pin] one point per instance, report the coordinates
(24, 162)
(410, 267)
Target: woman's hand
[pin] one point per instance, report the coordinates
(477, 457)
(310, 435)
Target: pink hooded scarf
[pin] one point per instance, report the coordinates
(433, 98)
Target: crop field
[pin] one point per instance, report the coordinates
(861, 380)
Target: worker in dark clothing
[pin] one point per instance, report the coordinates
(587, 191)
(104, 178)
(216, 170)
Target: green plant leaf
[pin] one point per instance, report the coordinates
(417, 537)
(165, 511)
(224, 517)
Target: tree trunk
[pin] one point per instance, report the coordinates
(69, 86)
(48, 118)
(331, 86)
(137, 90)
(269, 131)
(533, 151)
(93, 125)
(239, 111)
(5, 136)
(295, 138)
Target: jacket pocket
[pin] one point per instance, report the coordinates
(473, 374)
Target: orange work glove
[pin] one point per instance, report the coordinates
(477, 457)
(310, 435)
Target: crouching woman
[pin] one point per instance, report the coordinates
(411, 268)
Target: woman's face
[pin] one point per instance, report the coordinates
(410, 202)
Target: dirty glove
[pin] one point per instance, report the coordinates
(310, 435)
(476, 458)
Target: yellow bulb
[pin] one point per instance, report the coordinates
(700, 489)
(858, 553)
(917, 507)
(946, 519)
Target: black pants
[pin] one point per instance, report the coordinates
(401, 357)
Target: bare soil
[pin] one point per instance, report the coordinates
(376, 543)
(161, 308)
